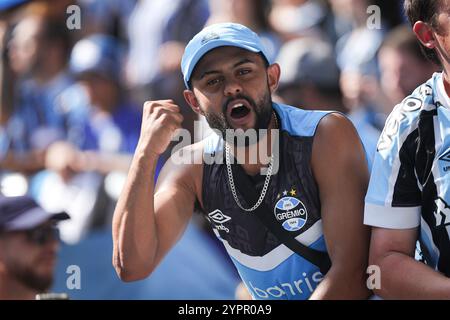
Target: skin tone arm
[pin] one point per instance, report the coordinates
(339, 166)
(27, 163)
(402, 277)
(145, 227)
(66, 159)
(103, 162)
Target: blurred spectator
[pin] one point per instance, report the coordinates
(309, 75)
(310, 79)
(53, 10)
(7, 6)
(106, 17)
(356, 54)
(342, 22)
(354, 11)
(300, 18)
(392, 12)
(38, 52)
(356, 51)
(9, 10)
(158, 31)
(403, 67)
(28, 247)
(86, 172)
(114, 122)
(251, 13)
(360, 92)
(7, 79)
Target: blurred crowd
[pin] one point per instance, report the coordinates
(71, 98)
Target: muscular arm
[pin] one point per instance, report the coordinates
(148, 221)
(340, 168)
(402, 277)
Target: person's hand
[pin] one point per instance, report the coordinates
(160, 120)
(61, 157)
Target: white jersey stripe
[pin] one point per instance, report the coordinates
(275, 257)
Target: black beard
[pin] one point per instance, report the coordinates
(31, 280)
(263, 111)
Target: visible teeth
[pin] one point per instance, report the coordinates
(237, 105)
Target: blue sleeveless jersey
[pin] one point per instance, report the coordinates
(269, 269)
(410, 182)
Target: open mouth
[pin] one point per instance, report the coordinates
(239, 111)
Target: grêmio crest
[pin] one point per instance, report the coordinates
(290, 211)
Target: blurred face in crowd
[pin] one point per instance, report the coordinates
(311, 97)
(232, 88)
(351, 83)
(29, 257)
(401, 73)
(350, 9)
(242, 11)
(102, 92)
(24, 46)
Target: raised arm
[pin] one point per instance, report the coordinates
(148, 221)
(340, 168)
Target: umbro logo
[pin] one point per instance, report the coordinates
(445, 156)
(218, 217)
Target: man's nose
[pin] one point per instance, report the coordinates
(232, 87)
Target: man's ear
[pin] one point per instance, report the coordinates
(273, 76)
(190, 98)
(425, 34)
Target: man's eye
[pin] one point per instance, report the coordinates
(213, 82)
(244, 71)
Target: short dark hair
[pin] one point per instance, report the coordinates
(426, 11)
(54, 31)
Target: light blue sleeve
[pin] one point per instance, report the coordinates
(380, 210)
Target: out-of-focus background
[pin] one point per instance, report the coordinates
(75, 74)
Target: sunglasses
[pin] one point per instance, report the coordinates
(42, 235)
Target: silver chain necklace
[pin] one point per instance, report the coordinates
(231, 180)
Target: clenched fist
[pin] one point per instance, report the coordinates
(160, 120)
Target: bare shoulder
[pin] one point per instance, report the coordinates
(337, 142)
(336, 127)
(335, 133)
